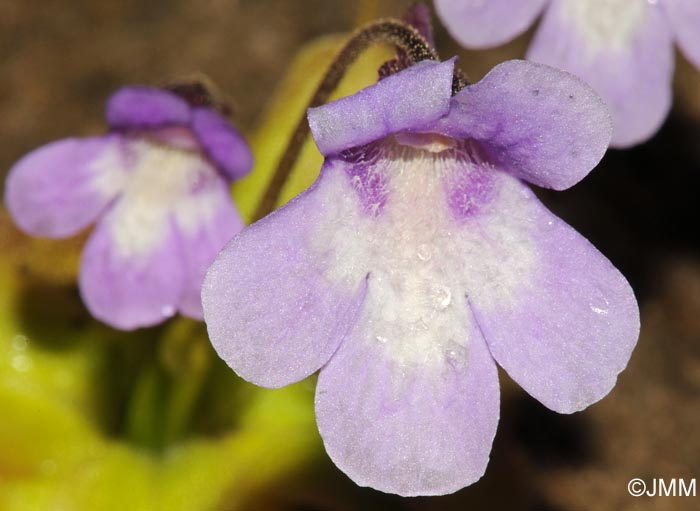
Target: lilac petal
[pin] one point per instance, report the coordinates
(630, 67)
(556, 314)
(126, 288)
(411, 425)
(222, 142)
(270, 312)
(59, 189)
(387, 107)
(139, 106)
(684, 16)
(541, 124)
(204, 238)
(480, 24)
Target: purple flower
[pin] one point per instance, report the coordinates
(418, 260)
(623, 48)
(157, 184)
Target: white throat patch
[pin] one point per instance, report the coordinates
(162, 185)
(423, 255)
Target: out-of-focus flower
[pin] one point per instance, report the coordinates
(158, 185)
(418, 260)
(623, 48)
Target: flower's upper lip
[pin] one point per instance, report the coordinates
(536, 122)
(140, 108)
(410, 100)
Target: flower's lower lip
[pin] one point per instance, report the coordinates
(431, 142)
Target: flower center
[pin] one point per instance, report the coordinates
(415, 220)
(161, 185)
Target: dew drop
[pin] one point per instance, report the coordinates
(20, 342)
(424, 253)
(21, 363)
(456, 354)
(381, 339)
(442, 297)
(598, 310)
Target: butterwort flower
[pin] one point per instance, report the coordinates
(623, 48)
(158, 186)
(419, 260)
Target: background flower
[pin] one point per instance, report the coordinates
(623, 48)
(158, 186)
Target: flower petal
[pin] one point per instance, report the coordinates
(130, 289)
(409, 423)
(624, 50)
(480, 24)
(389, 106)
(539, 123)
(139, 106)
(222, 142)
(556, 314)
(206, 221)
(271, 313)
(435, 225)
(59, 189)
(684, 16)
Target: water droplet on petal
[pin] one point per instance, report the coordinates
(598, 310)
(381, 339)
(456, 354)
(424, 253)
(442, 297)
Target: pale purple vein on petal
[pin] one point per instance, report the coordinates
(634, 79)
(59, 189)
(270, 312)
(140, 106)
(406, 101)
(484, 23)
(541, 124)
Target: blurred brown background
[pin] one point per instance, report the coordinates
(59, 60)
